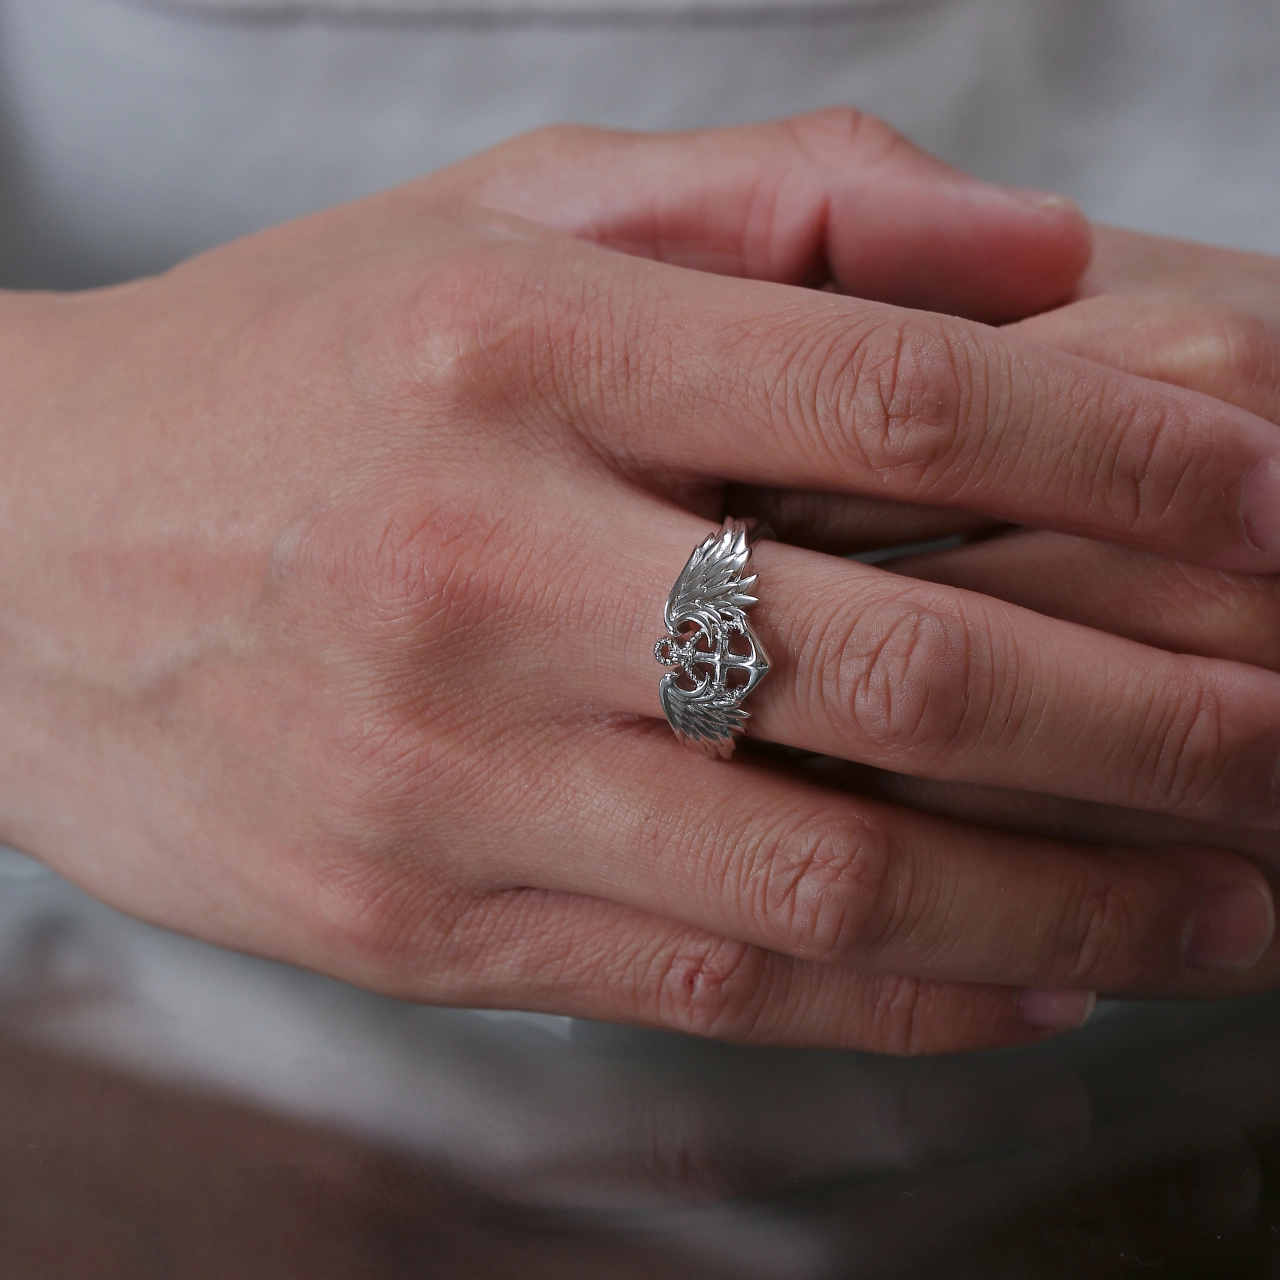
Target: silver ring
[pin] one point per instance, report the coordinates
(717, 657)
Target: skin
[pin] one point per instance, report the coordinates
(334, 560)
(1198, 317)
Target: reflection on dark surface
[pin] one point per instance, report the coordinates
(170, 1110)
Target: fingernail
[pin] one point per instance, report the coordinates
(1260, 506)
(1231, 930)
(1050, 1010)
(1049, 200)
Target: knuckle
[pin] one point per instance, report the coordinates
(408, 593)
(1136, 491)
(441, 942)
(1188, 756)
(465, 334)
(1216, 614)
(887, 399)
(1253, 351)
(1211, 349)
(1241, 624)
(1097, 931)
(429, 565)
(900, 1016)
(713, 987)
(902, 672)
(830, 893)
(1121, 484)
(911, 396)
(374, 921)
(543, 341)
(841, 129)
(1221, 349)
(499, 331)
(560, 141)
(409, 579)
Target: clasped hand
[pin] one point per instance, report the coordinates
(335, 558)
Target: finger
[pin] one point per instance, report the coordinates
(754, 854)
(1030, 813)
(1027, 814)
(1175, 606)
(1132, 262)
(565, 954)
(1218, 350)
(832, 196)
(761, 384)
(927, 680)
(842, 525)
(1224, 352)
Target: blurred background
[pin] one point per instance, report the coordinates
(171, 1110)
(135, 132)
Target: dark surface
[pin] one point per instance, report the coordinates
(170, 1110)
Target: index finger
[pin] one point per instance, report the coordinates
(714, 378)
(1137, 262)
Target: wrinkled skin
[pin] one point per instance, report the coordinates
(335, 557)
(1197, 317)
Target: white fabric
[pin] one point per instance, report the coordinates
(519, 8)
(133, 134)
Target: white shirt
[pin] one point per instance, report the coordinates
(135, 132)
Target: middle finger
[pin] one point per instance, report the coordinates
(676, 374)
(937, 682)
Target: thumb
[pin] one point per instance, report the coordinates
(836, 197)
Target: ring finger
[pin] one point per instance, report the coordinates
(928, 680)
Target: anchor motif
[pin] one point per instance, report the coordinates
(717, 656)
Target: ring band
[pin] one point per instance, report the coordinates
(717, 657)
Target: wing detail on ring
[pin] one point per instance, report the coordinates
(717, 656)
(704, 715)
(711, 589)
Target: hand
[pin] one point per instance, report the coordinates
(335, 559)
(1198, 317)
